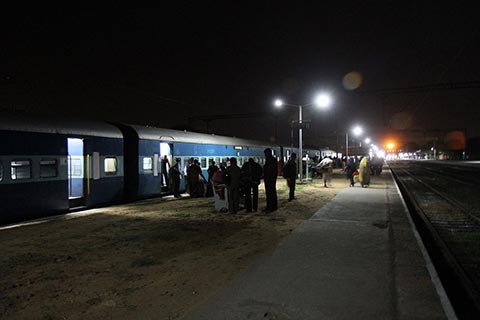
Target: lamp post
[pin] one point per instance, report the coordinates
(323, 101)
(356, 131)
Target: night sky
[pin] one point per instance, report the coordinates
(166, 64)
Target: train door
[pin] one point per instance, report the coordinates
(76, 172)
(165, 150)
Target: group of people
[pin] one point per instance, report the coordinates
(237, 181)
(361, 168)
(244, 181)
(192, 172)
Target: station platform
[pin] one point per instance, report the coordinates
(358, 257)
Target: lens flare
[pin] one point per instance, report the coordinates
(352, 80)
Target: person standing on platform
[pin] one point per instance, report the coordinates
(364, 171)
(270, 172)
(251, 174)
(233, 186)
(350, 168)
(185, 174)
(194, 173)
(218, 181)
(211, 171)
(175, 174)
(290, 173)
(326, 167)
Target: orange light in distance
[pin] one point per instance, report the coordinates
(390, 145)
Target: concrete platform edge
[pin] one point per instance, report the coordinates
(444, 300)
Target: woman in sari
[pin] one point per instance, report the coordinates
(364, 172)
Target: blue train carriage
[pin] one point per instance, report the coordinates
(50, 166)
(148, 145)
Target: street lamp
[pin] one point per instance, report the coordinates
(323, 101)
(356, 131)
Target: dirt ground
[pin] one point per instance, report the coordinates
(153, 259)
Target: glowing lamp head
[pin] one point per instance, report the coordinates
(390, 145)
(278, 103)
(367, 140)
(357, 131)
(323, 101)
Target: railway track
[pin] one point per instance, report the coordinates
(449, 223)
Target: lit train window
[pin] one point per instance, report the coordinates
(111, 165)
(147, 164)
(21, 169)
(48, 168)
(217, 161)
(203, 163)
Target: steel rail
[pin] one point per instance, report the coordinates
(454, 265)
(449, 199)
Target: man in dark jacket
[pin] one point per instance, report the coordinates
(270, 170)
(233, 186)
(211, 171)
(175, 175)
(350, 169)
(251, 175)
(290, 173)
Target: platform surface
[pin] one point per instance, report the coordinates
(357, 258)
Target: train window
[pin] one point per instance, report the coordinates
(48, 168)
(147, 164)
(1, 171)
(110, 165)
(203, 163)
(240, 161)
(217, 161)
(21, 169)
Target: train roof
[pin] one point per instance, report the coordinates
(67, 126)
(153, 133)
